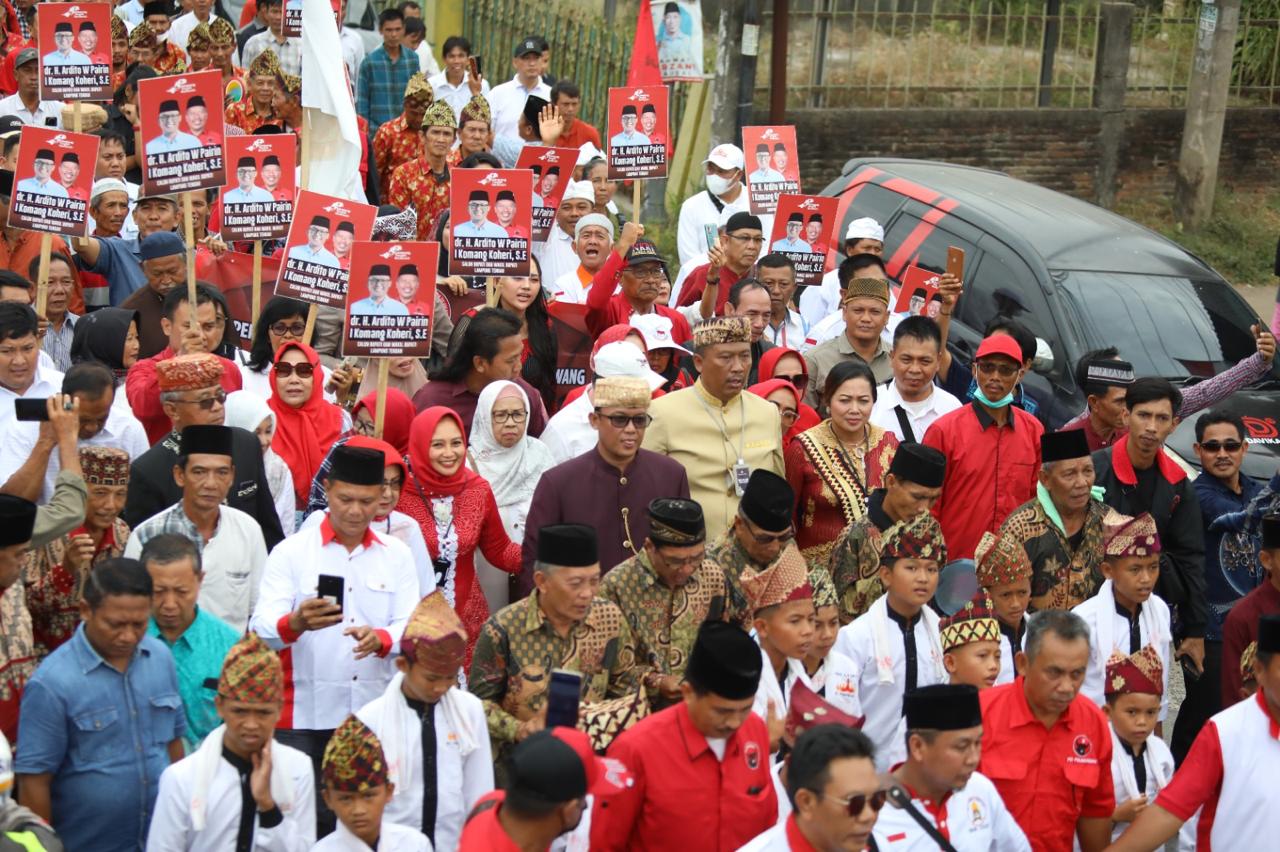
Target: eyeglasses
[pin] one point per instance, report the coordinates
(1003, 368)
(392, 484)
(788, 415)
(304, 371)
(218, 398)
(769, 538)
(1215, 446)
(620, 421)
(750, 241)
(362, 427)
(648, 274)
(510, 416)
(799, 381)
(280, 329)
(855, 805)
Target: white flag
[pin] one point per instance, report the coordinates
(334, 142)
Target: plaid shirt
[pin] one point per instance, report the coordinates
(382, 84)
(172, 520)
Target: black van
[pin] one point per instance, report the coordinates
(1080, 277)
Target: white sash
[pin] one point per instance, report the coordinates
(879, 615)
(1106, 624)
(1127, 776)
(394, 708)
(207, 757)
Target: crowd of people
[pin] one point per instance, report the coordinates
(251, 600)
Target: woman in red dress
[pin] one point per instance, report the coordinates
(306, 424)
(835, 465)
(457, 512)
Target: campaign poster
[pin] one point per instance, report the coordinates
(491, 213)
(317, 252)
(78, 67)
(232, 273)
(257, 203)
(552, 170)
(573, 347)
(678, 30)
(181, 120)
(391, 299)
(638, 132)
(918, 295)
(291, 27)
(803, 226)
(52, 181)
(772, 165)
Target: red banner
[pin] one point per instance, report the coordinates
(233, 275)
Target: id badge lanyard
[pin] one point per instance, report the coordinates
(739, 473)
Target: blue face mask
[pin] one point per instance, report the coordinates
(981, 397)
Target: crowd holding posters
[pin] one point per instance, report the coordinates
(52, 181)
(318, 248)
(678, 29)
(802, 229)
(182, 129)
(552, 170)
(78, 68)
(257, 204)
(638, 132)
(232, 273)
(492, 216)
(390, 299)
(773, 166)
(919, 295)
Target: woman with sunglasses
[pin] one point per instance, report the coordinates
(788, 364)
(457, 513)
(835, 466)
(281, 320)
(512, 462)
(306, 424)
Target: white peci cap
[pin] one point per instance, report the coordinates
(864, 229)
(726, 156)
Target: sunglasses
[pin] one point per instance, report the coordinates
(855, 805)
(620, 421)
(208, 402)
(799, 381)
(304, 371)
(1003, 368)
(280, 329)
(1214, 446)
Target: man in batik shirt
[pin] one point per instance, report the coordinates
(17, 649)
(475, 130)
(254, 109)
(222, 48)
(164, 56)
(666, 591)
(424, 182)
(400, 140)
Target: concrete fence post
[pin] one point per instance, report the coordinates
(1115, 34)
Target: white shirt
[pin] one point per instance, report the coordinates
(1109, 632)
(973, 818)
(180, 31)
(461, 779)
(327, 682)
(171, 827)
(568, 433)
(427, 59)
(700, 218)
(44, 110)
(506, 102)
(568, 289)
(401, 526)
(773, 840)
(790, 333)
(881, 691)
(47, 382)
(818, 303)
(556, 255)
(836, 680)
(352, 52)
(232, 560)
(682, 275)
(1008, 671)
(920, 415)
(391, 838)
(1156, 759)
(456, 96)
(770, 691)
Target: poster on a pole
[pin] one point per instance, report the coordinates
(802, 229)
(552, 170)
(491, 214)
(638, 132)
(677, 26)
(257, 203)
(75, 51)
(291, 26)
(52, 180)
(182, 129)
(232, 274)
(391, 300)
(773, 165)
(317, 251)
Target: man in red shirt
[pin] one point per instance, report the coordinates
(729, 261)
(992, 450)
(701, 767)
(636, 264)
(567, 98)
(1241, 626)
(549, 775)
(1046, 747)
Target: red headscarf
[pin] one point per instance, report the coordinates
(305, 434)
(770, 358)
(432, 483)
(613, 334)
(807, 417)
(397, 420)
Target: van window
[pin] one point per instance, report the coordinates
(874, 201)
(911, 240)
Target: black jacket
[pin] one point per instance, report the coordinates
(152, 489)
(1176, 511)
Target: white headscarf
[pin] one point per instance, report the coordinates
(247, 410)
(512, 473)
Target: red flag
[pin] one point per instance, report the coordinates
(644, 52)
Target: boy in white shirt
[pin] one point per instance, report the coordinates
(970, 640)
(1004, 575)
(1141, 765)
(830, 674)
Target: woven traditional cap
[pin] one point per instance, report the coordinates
(199, 35)
(973, 622)
(620, 392)
(824, 589)
(104, 465)
(141, 34)
(118, 29)
(434, 637)
(917, 538)
(189, 372)
(1247, 659)
(786, 579)
(220, 31)
(865, 288)
(477, 109)
(418, 85)
(1000, 559)
(265, 64)
(290, 83)
(252, 672)
(721, 330)
(1140, 673)
(440, 114)
(1128, 537)
(353, 759)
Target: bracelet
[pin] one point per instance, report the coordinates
(944, 313)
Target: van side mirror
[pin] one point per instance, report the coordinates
(1043, 362)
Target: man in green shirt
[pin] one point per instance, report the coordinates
(198, 641)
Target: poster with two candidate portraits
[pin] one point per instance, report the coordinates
(490, 219)
(257, 203)
(552, 170)
(75, 51)
(52, 180)
(391, 299)
(802, 230)
(773, 165)
(182, 132)
(638, 132)
(317, 251)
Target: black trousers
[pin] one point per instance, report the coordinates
(1203, 699)
(312, 743)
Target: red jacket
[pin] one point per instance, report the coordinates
(683, 796)
(691, 293)
(604, 308)
(991, 471)
(142, 388)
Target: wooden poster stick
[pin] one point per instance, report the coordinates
(257, 281)
(379, 415)
(42, 276)
(188, 229)
(635, 200)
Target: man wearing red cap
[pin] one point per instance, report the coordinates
(992, 450)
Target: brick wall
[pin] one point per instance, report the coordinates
(1054, 147)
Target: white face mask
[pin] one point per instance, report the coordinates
(719, 185)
